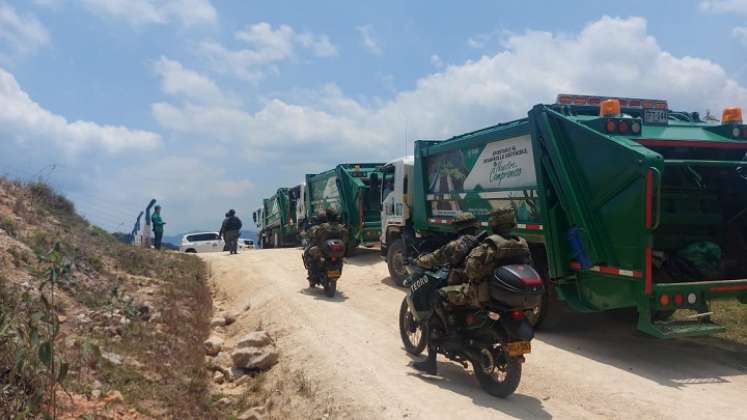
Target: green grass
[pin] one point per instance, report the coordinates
(732, 315)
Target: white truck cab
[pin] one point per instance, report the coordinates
(395, 212)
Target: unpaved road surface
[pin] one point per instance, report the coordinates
(589, 366)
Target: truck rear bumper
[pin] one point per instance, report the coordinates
(694, 296)
(695, 293)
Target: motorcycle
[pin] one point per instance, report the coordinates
(493, 338)
(329, 269)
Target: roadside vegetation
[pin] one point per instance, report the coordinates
(91, 327)
(732, 315)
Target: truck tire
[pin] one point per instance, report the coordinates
(396, 261)
(542, 317)
(350, 248)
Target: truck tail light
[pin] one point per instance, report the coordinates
(692, 298)
(664, 299)
(678, 299)
(622, 127)
(635, 127)
(611, 126)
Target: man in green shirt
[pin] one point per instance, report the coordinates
(157, 227)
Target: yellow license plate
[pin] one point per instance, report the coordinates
(333, 274)
(517, 348)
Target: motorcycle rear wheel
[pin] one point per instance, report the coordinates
(414, 334)
(330, 288)
(498, 374)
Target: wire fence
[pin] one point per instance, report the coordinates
(103, 214)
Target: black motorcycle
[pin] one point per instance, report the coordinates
(493, 339)
(329, 269)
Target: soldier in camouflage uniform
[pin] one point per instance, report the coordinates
(328, 227)
(471, 265)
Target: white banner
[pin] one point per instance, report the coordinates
(504, 164)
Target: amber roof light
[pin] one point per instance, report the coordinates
(609, 108)
(732, 115)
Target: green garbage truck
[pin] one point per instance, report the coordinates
(625, 204)
(277, 219)
(353, 190)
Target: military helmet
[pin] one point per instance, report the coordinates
(502, 220)
(464, 221)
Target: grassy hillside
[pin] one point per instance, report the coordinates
(90, 326)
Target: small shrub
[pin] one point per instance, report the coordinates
(30, 367)
(38, 241)
(20, 257)
(44, 195)
(7, 224)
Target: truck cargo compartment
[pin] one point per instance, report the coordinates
(702, 221)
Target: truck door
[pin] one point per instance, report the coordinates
(387, 199)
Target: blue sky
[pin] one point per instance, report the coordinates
(212, 104)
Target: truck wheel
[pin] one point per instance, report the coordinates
(350, 248)
(396, 261)
(541, 317)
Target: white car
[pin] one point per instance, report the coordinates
(202, 242)
(246, 243)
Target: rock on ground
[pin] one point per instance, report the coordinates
(255, 357)
(213, 345)
(217, 321)
(255, 339)
(256, 413)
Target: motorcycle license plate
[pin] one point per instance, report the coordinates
(333, 274)
(517, 348)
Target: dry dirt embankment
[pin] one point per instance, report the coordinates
(348, 351)
(130, 321)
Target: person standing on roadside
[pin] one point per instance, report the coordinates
(230, 231)
(158, 223)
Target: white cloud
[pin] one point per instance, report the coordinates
(52, 4)
(487, 39)
(608, 57)
(724, 6)
(146, 12)
(319, 44)
(20, 34)
(194, 191)
(270, 45)
(267, 47)
(740, 32)
(24, 121)
(176, 80)
(369, 39)
(436, 61)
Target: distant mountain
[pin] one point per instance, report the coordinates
(176, 239)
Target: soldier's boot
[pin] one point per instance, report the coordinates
(428, 365)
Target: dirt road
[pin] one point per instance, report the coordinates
(589, 366)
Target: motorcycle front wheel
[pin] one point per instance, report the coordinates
(414, 334)
(498, 373)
